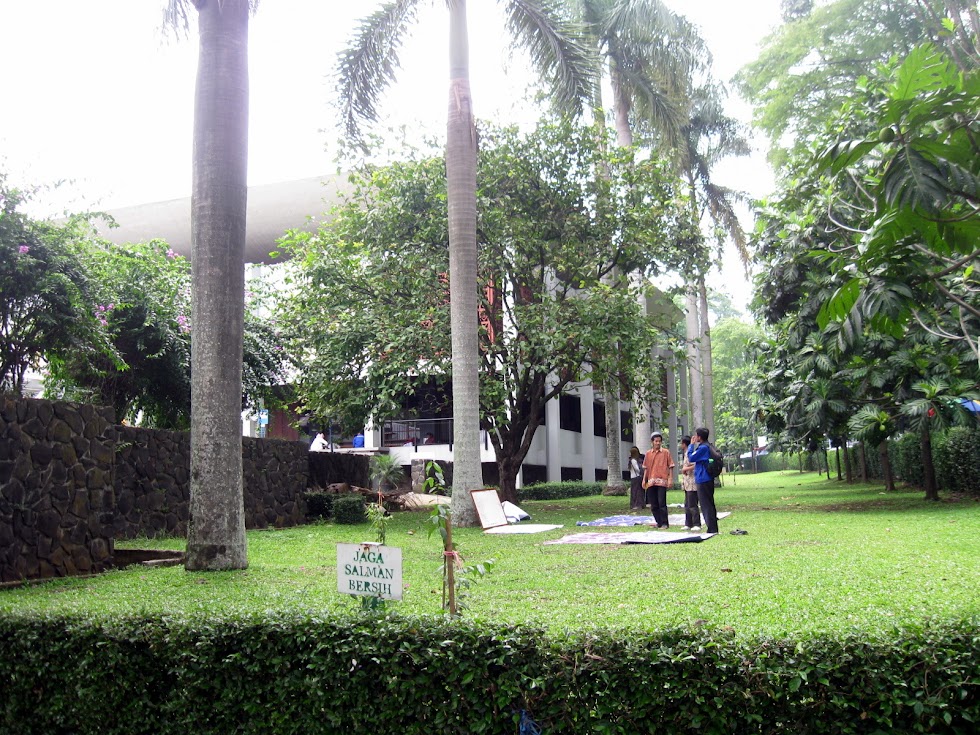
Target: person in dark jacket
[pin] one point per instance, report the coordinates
(637, 500)
(699, 456)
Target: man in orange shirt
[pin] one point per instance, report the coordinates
(657, 477)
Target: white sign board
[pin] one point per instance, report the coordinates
(488, 508)
(369, 569)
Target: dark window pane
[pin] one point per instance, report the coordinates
(599, 418)
(570, 413)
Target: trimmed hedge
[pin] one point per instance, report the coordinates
(319, 504)
(373, 674)
(559, 490)
(905, 454)
(349, 509)
(956, 455)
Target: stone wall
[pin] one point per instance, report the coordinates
(276, 473)
(71, 481)
(153, 482)
(56, 494)
(327, 468)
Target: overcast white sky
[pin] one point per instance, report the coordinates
(96, 95)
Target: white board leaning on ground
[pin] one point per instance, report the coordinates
(369, 569)
(494, 519)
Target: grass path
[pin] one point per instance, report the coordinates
(820, 556)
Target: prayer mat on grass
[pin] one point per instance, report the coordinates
(674, 520)
(641, 537)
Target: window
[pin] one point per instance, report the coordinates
(570, 413)
(571, 474)
(626, 426)
(535, 473)
(599, 418)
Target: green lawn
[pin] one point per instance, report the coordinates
(820, 556)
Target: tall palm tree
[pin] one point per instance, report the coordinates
(365, 70)
(216, 527)
(708, 136)
(647, 52)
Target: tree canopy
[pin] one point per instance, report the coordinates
(368, 311)
(45, 295)
(810, 65)
(869, 250)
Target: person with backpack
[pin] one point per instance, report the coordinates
(702, 455)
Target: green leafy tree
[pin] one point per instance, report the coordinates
(369, 300)
(938, 406)
(365, 70)
(811, 64)
(916, 210)
(44, 293)
(140, 297)
(734, 346)
(647, 53)
(706, 138)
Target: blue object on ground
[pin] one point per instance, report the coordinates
(528, 726)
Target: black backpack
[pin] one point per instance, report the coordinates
(717, 464)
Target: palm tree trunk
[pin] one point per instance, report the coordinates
(461, 191)
(624, 137)
(216, 527)
(694, 359)
(705, 349)
(848, 469)
(614, 462)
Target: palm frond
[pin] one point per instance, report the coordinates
(655, 105)
(721, 206)
(176, 18)
(557, 46)
(367, 67)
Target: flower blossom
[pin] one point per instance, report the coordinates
(23, 250)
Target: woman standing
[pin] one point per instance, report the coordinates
(637, 501)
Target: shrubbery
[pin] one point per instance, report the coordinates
(905, 454)
(319, 504)
(956, 455)
(349, 509)
(559, 490)
(388, 674)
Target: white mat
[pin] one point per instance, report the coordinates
(522, 528)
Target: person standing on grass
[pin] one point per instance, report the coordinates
(636, 479)
(657, 477)
(699, 456)
(692, 513)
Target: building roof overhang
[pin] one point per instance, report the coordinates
(272, 209)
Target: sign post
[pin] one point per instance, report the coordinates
(369, 569)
